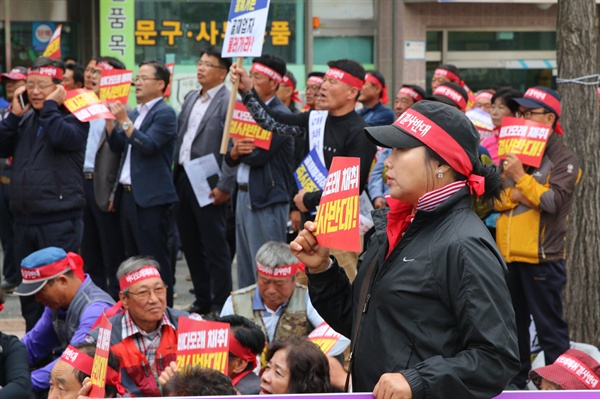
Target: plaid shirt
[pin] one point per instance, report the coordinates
(147, 343)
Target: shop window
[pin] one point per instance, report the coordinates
(179, 30)
(359, 49)
(434, 41)
(500, 41)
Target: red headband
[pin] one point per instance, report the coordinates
(319, 81)
(448, 74)
(144, 273)
(238, 350)
(45, 272)
(84, 363)
(442, 143)
(268, 72)
(50, 71)
(372, 79)
(105, 66)
(290, 83)
(345, 77)
(451, 94)
(279, 271)
(578, 369)
(485, 95)
(411, 93)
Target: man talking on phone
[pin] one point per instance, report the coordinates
(47, 144)
(202, 228)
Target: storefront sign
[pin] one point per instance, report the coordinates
(116, 30)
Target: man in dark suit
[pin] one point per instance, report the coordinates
(146, 137)
(202, 229)
(102, 245)
(264, 176)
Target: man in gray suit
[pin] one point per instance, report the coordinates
(202, 229)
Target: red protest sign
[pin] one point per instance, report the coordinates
(115, 85)
(171, 67)
(243, 126)
(524, 138)
(337, 216)
(86, 106)
(202, 343)
(53, 49)
(324, 337)
(98, 376)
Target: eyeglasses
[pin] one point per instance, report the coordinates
(527, 114)
(144, 78)
(208, 65)
(144, 295)
(40, 87)
(93, 71)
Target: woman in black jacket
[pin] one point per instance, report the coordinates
(429, 313)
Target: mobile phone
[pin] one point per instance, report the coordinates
(212, 181)
(23, 99)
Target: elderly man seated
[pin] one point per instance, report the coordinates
(72, 303)
(279, 305)
(144, 336)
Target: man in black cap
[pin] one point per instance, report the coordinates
(531, 231)
(12, 81)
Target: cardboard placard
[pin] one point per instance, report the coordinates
(202, 343)
(115, 85)
(246, 25)
(243, 126)
(524, 138)
(99, 367)
(86, 106)
(311, 174)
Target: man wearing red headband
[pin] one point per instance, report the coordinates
(338, 132)
(74, 367)
(372, 97)
(314, 81)
(287, 92)
(279, 305)
(264, 176)
(47, 144)
(531, 231)
(72, 304)
(144, 335)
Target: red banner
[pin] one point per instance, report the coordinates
(53, 49)
(171, 68)
(115, 85)
(202, 343)
(324, 337)
(337, 215)
(524, 138)
(86, 106)
(98, 376)
(243, 126)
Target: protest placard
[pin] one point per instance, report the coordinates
(98, 376)
(86, 106)
(311, 174)
(524, 138)
(337, 220)
(202, 343)
(324, 337)
(115, 85)
(243, 126)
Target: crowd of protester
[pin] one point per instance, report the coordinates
(467, 246)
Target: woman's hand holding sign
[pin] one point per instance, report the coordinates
(308, 251)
